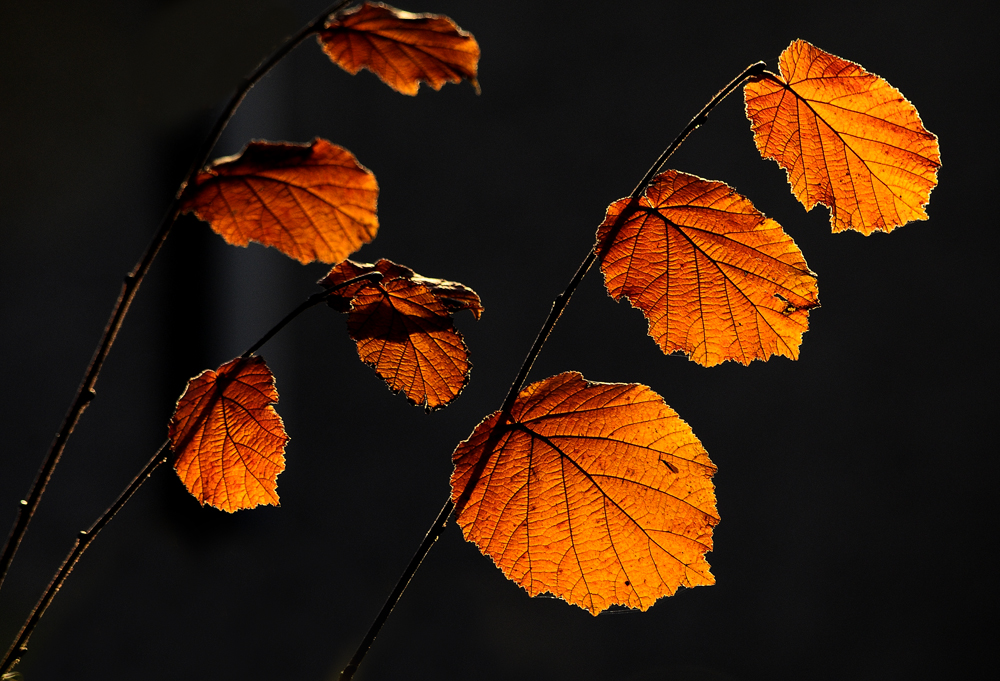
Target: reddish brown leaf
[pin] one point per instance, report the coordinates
(401, 48)
(713, 276)
(846, 138)
(403, 328)
(228, 439)
(595, 492)
(311, 202)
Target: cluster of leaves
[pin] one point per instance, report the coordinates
(315, 202)
(597, 493)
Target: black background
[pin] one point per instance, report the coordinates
(854, 485)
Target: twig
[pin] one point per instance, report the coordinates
(19, 647)
(752, 71)
(311, 301)
(85, 394)
(397, 591)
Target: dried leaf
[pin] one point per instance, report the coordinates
(595, 492)
(311, 202)
(228, 439)
(846, 138)
(402, 326)
(713, 276)
(401, 48)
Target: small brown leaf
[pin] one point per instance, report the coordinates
(595, 492)
(228, 439)
(403, 328)
(311, 202)
(401, 48)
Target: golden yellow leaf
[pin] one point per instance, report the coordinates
(714, 277)
(846, 138)
(595, 492)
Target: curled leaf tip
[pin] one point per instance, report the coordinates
(403, 328)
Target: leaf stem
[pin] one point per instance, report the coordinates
(752, 71)
(19, 647)
(314, 299)
(85, 393)
(397, 591)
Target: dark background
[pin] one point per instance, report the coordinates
(854, 485)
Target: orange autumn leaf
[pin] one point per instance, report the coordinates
(228, 439)
(401, 48)
(311, 202)
(597, 493)
(713, 276)
(402, 326)
(846, 138)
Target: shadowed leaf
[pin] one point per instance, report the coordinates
(595, 492)
(402, 326)
(311, 202)
(401, 48)
(228, 439)
(713, 276)
(846, 138)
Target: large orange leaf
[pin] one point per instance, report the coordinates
(403, 328)
(595, 492)
(714, 277)
(401, 48)
(846, 138)
(228, 439)
(311, 202)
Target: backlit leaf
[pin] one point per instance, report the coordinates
(846, 138)
(595, 492)
(713, 276)
(402, 326)
(311, 202)
(401, 48)
(228, 439)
